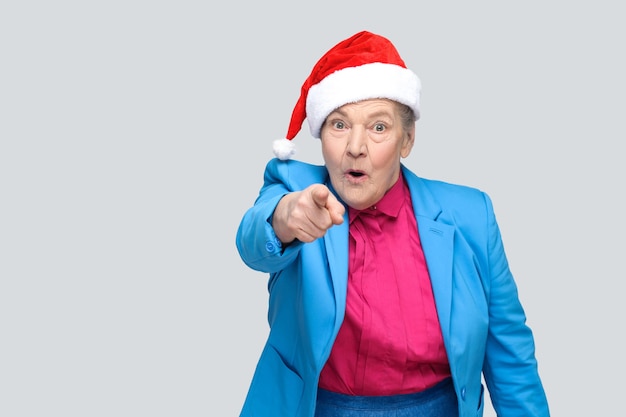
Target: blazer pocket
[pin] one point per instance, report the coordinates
(276, 389)
(481, 401)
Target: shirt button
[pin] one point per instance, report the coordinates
(463, 393)
(269, 246)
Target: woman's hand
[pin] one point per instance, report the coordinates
(306, 215)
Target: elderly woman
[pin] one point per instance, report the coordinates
(389, 294)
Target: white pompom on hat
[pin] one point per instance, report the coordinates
(364, 66)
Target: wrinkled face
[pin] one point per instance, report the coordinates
(362, 144)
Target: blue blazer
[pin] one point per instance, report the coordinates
(482, 321)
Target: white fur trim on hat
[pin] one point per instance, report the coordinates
(352, 84)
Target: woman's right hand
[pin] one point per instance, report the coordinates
(306, 215)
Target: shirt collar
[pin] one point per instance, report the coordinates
(389, 205)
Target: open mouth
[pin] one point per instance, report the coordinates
(355, 174)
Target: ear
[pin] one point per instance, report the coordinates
(407, 142)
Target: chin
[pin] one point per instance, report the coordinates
(358, 204)
(353, 195)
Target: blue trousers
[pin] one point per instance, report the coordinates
(437, 401)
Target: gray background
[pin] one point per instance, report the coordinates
(134, 135)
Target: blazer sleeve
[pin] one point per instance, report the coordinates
(510, 366)
(257, 244)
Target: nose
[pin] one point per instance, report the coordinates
(357, 141)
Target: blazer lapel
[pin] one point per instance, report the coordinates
(437, 240)
(336, 241)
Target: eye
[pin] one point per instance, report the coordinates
(379, 127)
(338, 124)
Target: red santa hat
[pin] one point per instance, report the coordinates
(364, 66)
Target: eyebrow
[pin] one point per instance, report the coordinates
(371, 115)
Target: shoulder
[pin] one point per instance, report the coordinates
(450, 192)
(443, 191)
(448, 201)
(295, 174)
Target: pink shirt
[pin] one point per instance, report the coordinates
(390, 341)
